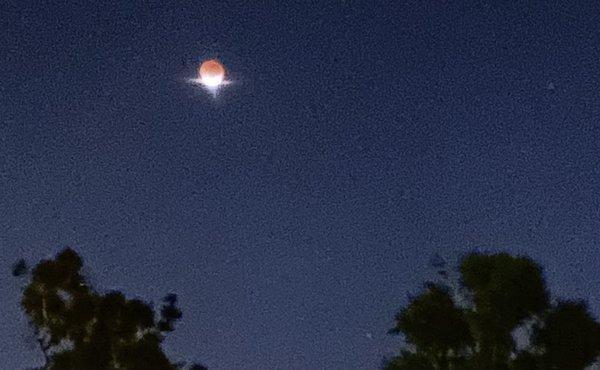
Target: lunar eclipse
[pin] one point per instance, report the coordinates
(211, 76)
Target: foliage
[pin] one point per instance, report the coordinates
(503, 293)
(77, 327)
(409, 361)
(435, 325)
(569, 337)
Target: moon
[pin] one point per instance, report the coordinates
(211, 73)
(211, 76)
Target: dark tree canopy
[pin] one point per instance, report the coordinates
(570, 337)
(78, 328)
(433, 323)
(502, 293)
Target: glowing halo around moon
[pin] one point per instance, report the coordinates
(211, 76)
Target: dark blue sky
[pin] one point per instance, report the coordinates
(293, 214)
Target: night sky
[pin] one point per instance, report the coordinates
(294, 213)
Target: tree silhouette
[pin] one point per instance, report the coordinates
(435, 326)
(77, 327)
(473, 325)
(569, 337)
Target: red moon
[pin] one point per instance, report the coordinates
(211, 73)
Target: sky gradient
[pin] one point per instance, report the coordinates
(292, 214)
